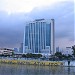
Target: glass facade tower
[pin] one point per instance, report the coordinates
(39, 37)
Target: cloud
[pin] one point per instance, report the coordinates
(63, 13)
(12, 25)
(12, 6)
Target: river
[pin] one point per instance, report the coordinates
(14, 69)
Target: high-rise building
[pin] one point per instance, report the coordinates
(39, 37)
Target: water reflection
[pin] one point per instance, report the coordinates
(68, 70)
(9, 69)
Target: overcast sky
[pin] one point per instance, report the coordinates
(15, 13)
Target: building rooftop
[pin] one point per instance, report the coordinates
(39, 19)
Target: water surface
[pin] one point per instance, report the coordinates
(13, 69)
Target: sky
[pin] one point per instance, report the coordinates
(15, 13)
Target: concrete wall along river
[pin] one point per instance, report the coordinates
(32, 62)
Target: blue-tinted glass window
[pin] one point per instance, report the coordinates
(36, 38)
(44, 33)
(48, 34)
(26, 36)
(29, 41)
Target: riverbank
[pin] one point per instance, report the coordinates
(72, 63)
(32, 62)
(37, 62)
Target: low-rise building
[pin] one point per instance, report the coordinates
(6, 51)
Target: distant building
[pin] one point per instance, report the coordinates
(21, 48)
(16, 50)
(67, 51)
(39, 37)
(6, 51)
(57, 49)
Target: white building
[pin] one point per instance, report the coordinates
(67, 51)
(6, 51)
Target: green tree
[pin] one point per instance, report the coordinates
(23, 55)
(12, 53)
(59, 55)
(64, 56)
(30, 55)
(39, 55)
(73, 50)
